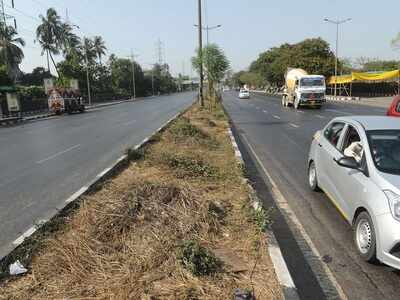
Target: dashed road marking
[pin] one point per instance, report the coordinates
(294, 125)
(277, 117)
(319, 116)
(58, 154)
(265, 111)
(130, 122)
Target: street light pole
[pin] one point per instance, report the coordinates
(337, 23)
(200, 55)
(87, 76)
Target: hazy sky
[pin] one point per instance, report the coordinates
(248, 26)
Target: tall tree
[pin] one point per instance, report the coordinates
(50, 35)
(70, 42)
(215, 63)
(11, 49)
(99, 47)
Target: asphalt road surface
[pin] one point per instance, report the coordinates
(281, 138)
(43, 163)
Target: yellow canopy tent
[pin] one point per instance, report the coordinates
(358, 76)
(367, 77)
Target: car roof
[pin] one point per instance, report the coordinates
(373, 122)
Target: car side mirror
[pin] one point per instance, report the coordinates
(348, 162)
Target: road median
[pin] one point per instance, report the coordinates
(175, 222)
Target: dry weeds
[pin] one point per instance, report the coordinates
(123, 241)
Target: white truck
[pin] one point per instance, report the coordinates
(302, 89)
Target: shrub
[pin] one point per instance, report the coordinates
(188, 166)
(198, 260)
(183, 128)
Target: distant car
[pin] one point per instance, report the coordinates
(244, 94)
(355, 160)
(394, 109)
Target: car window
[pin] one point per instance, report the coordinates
(333, 131)
(398, 106)
(352, 146)
(385, 150)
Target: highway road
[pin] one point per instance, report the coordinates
(43, 163)
(280, 139)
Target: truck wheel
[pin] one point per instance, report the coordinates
(296, 104)
(284, 101)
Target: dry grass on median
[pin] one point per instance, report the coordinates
(176, 224)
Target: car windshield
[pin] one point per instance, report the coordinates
(385, 150)
(304, 82)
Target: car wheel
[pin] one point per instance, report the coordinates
(312, 177)
(364, 237)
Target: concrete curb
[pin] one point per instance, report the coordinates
(108, 172)
(289, 290)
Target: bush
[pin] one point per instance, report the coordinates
(198, 260)
(189, 166)
(32, 92)
(183, 128)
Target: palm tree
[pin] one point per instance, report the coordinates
(71, 42)
(10, 49)
(50, 35)
(99, 47)
(89, 51)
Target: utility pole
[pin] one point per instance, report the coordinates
(87, 76)
(133, 74)
(337, 23)
(201, 99)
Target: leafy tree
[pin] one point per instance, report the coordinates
(10, 48)
(36, 77)
(313, 55)
(215, 63)
(253, 79)
(395, 43)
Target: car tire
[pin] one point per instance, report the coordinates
(364, 237)
(312, 177)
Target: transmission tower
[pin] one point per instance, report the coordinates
(160, 52)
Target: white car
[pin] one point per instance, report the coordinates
(355, 160)
(244, 94)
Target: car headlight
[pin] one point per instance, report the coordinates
(394, 203)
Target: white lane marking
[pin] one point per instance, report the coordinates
(284, 206)
(338, 111)
(277, 117)
(265, 111)
(58, 154)
(129, 123)
(77, 194)
(25, 235)
(104, 172)
(279, 263)
(319, 116)
(294, 125)
(300, 111)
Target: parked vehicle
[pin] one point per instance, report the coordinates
(302, 89)
(355, 160)
(69, 102)
(394, 109)
(244, 94)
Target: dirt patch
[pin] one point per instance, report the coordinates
(175, 224)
